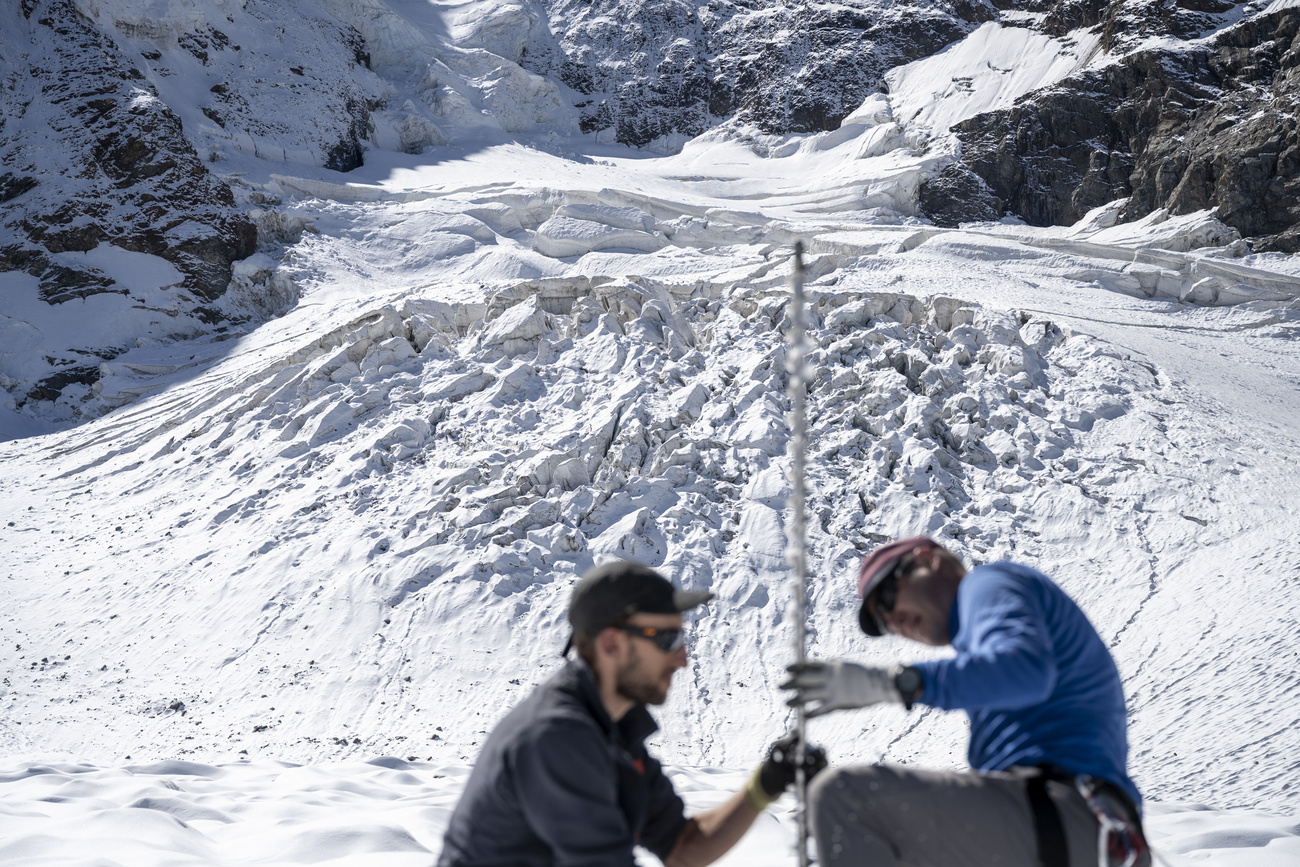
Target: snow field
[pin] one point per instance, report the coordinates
(985, 71)
(390, 812)
(371, 474)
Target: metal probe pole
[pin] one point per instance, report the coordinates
(797, 368)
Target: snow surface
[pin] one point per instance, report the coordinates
(266, 608)
(388, 812)
(986, 71)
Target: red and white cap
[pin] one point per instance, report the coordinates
(876, 565)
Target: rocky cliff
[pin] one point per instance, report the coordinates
(91, 157)
(127, 127)
(654, 68)
(1208, 124)
(110, 207)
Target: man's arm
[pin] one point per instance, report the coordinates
(709, 835)
(1008, 662)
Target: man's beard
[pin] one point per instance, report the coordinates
(638, 684)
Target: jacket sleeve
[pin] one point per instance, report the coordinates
(1005, 660)
(566, 787)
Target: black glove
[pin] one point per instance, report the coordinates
(777, 772)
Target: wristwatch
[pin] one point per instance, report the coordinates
(909, 683)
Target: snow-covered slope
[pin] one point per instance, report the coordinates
(124, 126)
(401, 481)
(988, 70)
(351, 532)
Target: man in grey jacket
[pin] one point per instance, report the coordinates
(565, 777)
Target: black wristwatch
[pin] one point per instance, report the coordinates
(909, 684)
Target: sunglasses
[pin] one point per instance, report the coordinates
(886, 595)
(667, 640)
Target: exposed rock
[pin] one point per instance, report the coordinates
(13, 186)
(958, 195)
(1239, 150)
(90, 156)
(662, 67)
(659, 67)
(1126, 23)
(804, 68)
(130, 177)
(1209, 126)
(643, 61)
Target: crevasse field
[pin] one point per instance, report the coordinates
(266, 607)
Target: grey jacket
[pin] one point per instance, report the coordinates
(559, 783)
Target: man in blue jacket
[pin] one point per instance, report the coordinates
(565, 777)
(1048, 736)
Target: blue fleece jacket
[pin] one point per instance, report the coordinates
(1037, 681)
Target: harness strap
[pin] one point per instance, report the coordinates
(1048, 830)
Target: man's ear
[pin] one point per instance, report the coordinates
(608, 641)
(929, 559)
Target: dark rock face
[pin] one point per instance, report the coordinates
(1125, 23)
(656, 67)
(642, 61)
(1213, 125)
(956, 196)
(89, 155)
(1239, 150)
(803, 68)
(136, 178)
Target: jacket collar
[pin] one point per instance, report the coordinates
(637, 724)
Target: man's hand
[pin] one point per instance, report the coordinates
(777, 772)
(839, 685)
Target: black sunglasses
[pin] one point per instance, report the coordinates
(885, 596)
(667, 640)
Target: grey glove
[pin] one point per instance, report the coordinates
(839, 685)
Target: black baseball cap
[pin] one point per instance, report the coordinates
(616, 590)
